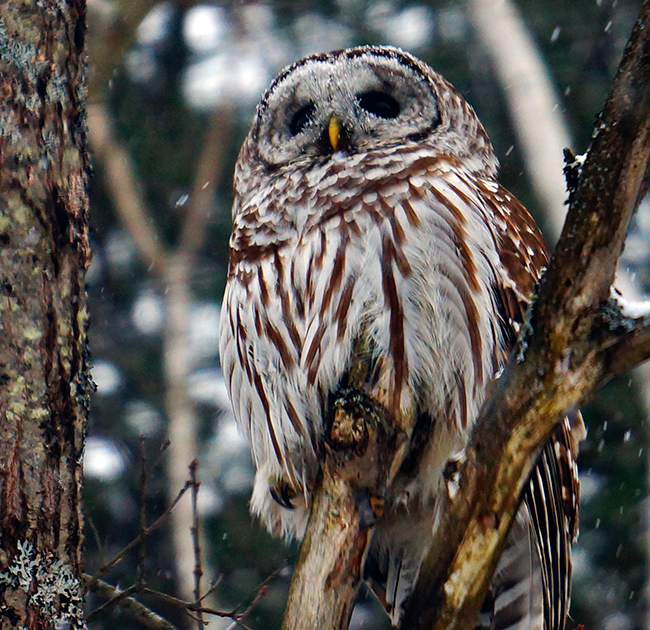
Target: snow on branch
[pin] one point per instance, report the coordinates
(630, 309)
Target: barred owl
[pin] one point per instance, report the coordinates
(369, 227)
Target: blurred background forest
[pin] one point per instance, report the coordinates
(173, 87)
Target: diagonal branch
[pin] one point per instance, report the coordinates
(206, 182)
(140, 612)
(578, 337)
(577, 340)
(175, 270)
(129, 201)
(531, 99)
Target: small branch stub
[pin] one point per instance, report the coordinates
(345, 504)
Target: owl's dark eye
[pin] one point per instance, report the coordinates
(301, 118)
(379, 104)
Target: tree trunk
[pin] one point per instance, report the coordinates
(44, 252)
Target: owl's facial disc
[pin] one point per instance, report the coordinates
(355, 101)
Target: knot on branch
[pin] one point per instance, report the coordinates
(355, 421)
(364, 448)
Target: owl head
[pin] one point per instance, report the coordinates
(358, 101)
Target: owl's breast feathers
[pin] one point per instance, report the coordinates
(413, 264)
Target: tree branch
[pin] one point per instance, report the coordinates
(575, 344)
(147, 617)
(541, 130)
(363, 453)
(532, 101)
(209, 170)
(129, 201)
(632, 343)
(328, 570)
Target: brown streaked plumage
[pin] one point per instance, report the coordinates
(369, 229)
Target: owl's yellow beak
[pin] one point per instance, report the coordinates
(334, 132)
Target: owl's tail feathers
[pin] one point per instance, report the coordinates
(515, 600)
(394, 561)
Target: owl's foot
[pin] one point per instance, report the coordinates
(370, 508)
(283, 493)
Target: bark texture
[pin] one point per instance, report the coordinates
(44, 379)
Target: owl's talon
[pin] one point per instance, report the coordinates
(285, 495)
(369, 508)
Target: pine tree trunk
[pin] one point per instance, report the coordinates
(44, 252)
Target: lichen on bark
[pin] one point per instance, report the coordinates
(44, 252)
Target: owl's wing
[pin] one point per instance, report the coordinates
(552, 499)
(531, 587)
(532, 584)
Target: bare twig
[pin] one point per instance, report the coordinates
(98, 542)
(260, 591)
(115, 600)
(195, 610)
(142, 551)
(256, 600)
(189, 607)
(140, 612)
(181, 603)
(197, 607)
(213, 587)
(198, 570)
(103, 570)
